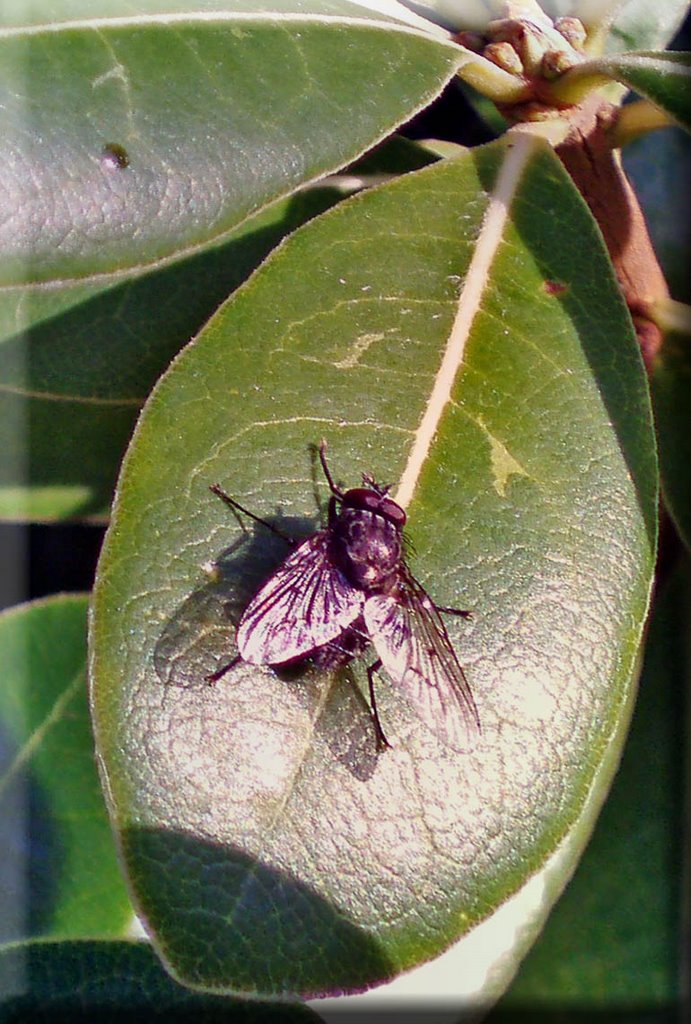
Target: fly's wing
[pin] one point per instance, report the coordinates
(307, 603)
(410, 638)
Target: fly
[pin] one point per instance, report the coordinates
(348, 587)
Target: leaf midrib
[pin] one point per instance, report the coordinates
(469, 303)
(53, 716)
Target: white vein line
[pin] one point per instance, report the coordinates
(31, 744)
(469, 301)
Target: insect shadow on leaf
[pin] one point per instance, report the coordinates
(199, 632)
(348, 586)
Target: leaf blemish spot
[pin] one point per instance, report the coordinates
(555, 287)
(360, 346)
(502, 463)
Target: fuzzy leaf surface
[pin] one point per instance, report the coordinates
(664, 78)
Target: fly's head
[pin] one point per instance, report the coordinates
(367, 537)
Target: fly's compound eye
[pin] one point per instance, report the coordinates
(371, 501)
(392, 511)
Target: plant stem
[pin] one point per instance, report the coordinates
(589, 157)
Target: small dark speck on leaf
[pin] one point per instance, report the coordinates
(555, 287)
(114, 157)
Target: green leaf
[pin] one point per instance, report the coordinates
(114, 982)
(73, 379)
(268, 845)
(155, 133)
(638, 24)
(61, 877)
(671, 392)
(664, 78)
(612, 941)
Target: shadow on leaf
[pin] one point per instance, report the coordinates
(115, 983)
(224, 920)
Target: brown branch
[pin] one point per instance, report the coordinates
(596, 170)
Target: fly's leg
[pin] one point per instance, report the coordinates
(453, 611)
(382, 742)
(336, 491)
(213, 677)
(237, 507)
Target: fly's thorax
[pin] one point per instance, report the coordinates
(367, 547)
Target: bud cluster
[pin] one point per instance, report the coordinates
(536, 51)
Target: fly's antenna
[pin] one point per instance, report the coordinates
(336, 491)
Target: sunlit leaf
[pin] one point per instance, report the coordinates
(632, 24)
(268, 844)
(637, 24)
(152, 133)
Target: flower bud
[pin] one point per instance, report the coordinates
(504, 56)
